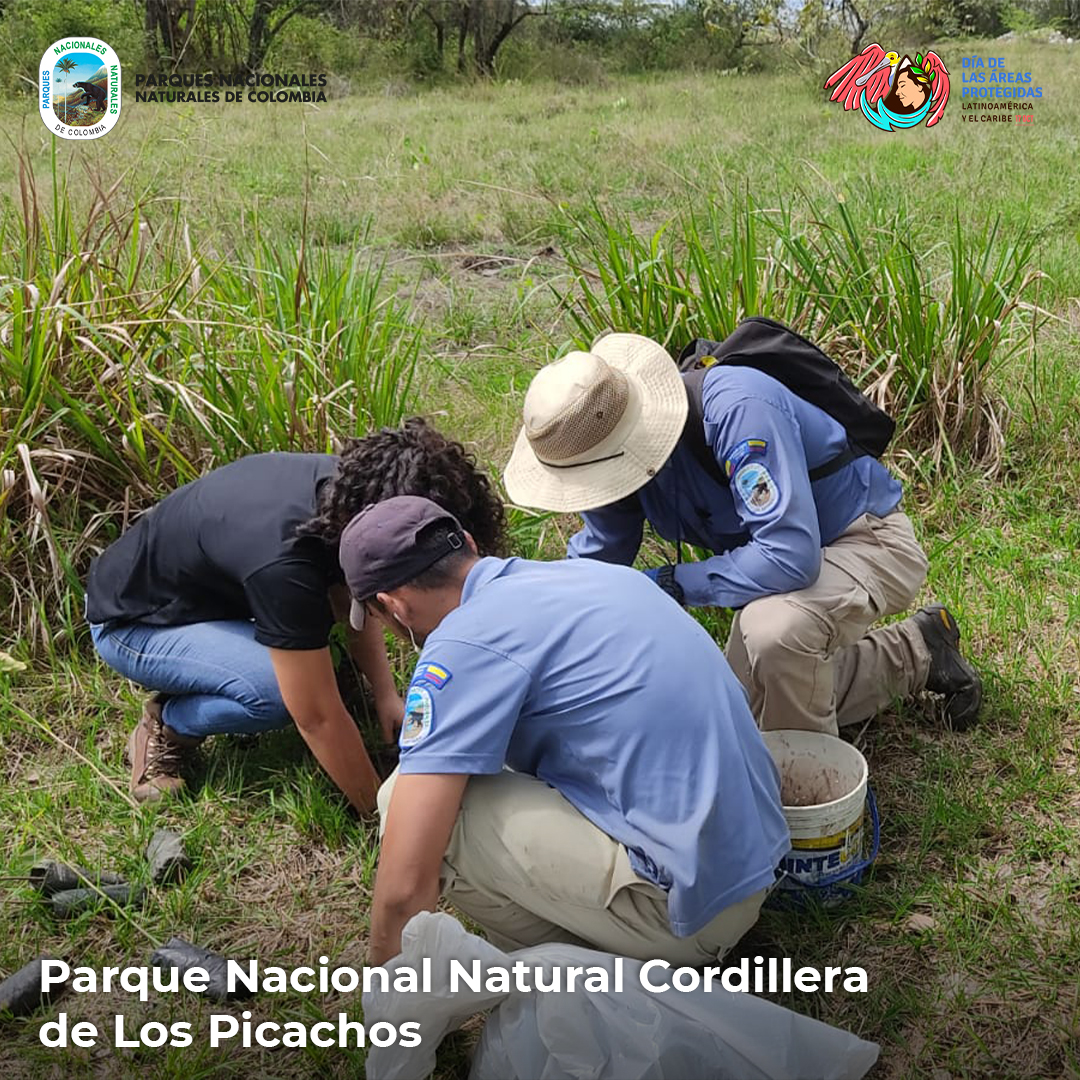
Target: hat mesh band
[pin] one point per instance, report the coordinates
(584, 424)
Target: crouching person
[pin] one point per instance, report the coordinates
(221, 599)
(642, 814)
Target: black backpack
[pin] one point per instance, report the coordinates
(804, 369)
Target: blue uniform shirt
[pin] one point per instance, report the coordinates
(769, 525)
(592, 679)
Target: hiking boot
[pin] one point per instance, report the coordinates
(155, 753)
(950, 674)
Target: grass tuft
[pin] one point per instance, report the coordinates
(924, 329)
(131, 363)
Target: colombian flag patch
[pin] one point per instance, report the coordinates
(739, 454)
(435, 674)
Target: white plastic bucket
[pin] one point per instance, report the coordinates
(823, 785)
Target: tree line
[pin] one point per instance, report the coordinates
(446, 39)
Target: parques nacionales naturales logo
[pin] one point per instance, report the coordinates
(79, 88)
(892, 91)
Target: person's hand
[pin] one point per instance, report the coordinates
(664, 576)
(390, 710)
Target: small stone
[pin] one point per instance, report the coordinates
(919, 923)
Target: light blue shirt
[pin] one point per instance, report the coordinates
(769, 524)
(592, 679)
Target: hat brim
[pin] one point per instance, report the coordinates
(357, 614)
(529, 482)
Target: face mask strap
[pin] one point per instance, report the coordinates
(416, 647)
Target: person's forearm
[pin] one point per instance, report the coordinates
(368, 649)
(388, 919)
(738, 577)
(338, 748)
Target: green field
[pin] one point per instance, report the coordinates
(191, 334)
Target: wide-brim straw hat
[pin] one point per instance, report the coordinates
(598, 425)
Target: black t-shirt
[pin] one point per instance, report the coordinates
(225, 547)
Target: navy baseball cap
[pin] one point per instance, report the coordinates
(381, 549)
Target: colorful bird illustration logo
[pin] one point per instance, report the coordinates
(891, 91)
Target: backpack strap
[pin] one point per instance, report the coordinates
(834, 465)
(693, 436)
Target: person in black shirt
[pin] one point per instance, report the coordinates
(221, 599)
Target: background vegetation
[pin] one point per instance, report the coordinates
(200, 283)
(578, 42)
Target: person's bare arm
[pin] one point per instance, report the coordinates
(367, 647)
(419, 822)
(309, 689)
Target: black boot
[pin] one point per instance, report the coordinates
(950, 674)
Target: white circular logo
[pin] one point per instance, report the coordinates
(79, 88)
(419, 712)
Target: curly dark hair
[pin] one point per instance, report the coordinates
(413, 459)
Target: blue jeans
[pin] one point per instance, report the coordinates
(219, 678)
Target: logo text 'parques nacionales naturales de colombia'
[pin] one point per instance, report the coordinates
(79, 88)
(209, 88)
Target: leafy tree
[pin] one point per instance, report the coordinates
(168, 25)
(229, 35)
(268, 19)
(485, 24)
(856, 19)
(953, 18)
(491, 22)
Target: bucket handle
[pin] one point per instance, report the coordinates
(851, 871)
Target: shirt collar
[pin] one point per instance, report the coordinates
(482, 572)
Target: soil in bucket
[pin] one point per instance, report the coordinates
(823, 784)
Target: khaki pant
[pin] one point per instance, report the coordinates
(529, 868)
(806, 658)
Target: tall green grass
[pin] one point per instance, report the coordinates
(130, 363)
(923, 329)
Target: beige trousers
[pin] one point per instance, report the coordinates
(806, 658)
(529, 868)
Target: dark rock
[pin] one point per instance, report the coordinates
(169, 863)
(50, 877)
(182, 955)
(71, 902)
(20, 993)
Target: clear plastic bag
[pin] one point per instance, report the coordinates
(628, 1035)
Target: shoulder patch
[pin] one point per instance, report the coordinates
(419, 715)
(435, 674)
(756, 487)
(737, 455)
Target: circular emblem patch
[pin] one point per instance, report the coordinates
(756, 487)
(418, 715)
(79, 88)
